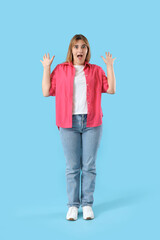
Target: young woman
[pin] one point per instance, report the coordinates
(77, 86)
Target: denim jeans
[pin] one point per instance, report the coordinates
(80, 145)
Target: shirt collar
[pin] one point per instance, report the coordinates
(71, 64)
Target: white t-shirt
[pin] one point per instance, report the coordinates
(79, 91)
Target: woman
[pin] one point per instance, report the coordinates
(78, 85)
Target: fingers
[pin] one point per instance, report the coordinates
(44, 57)
(108, 54)
(47, 56)
(52, 58)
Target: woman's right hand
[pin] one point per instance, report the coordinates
(46, 61)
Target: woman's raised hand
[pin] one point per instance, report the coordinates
(46, 61)
(108, 60)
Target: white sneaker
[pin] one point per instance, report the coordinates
(72, 213)
(87, 213)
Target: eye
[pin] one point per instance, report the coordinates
(83, 46)
(76, 46)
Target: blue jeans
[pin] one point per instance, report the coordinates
(80, 145)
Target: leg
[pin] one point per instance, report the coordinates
(71, 141)
(90, 142)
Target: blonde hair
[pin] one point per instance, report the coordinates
(76, 37)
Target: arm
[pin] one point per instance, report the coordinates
(110, 73)
(111, 79)
(46, 81)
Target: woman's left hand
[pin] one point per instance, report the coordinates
(108, 60)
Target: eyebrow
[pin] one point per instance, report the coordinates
(81, 45)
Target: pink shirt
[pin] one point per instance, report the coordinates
(62, 80)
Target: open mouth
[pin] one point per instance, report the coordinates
(79, 56)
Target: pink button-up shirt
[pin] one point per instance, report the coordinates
(62, 79)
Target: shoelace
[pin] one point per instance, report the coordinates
(88, 211)
(73, 210)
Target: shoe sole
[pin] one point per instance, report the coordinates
(88, 218)
(71, 219)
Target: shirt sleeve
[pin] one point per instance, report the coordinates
(52, 90)
(105, 84)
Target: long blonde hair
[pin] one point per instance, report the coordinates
(76, 37)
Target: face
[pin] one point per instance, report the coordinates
(79, 48)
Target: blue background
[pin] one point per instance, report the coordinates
(33, 202)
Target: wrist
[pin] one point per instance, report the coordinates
(109, 65)
(47, 67)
